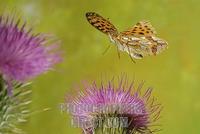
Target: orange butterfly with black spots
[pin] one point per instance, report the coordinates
(138, 41)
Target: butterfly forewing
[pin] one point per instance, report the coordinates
(101, 23)
(144, 40)
(142, 28)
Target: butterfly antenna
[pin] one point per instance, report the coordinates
(106, 50)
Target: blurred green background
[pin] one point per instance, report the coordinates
(174, 74)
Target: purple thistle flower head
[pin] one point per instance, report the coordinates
(24, 55)
(112, 109)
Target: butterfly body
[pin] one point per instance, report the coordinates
(138, 41)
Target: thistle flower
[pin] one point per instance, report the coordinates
(24, 55)
(110, 109)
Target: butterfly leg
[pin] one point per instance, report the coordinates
(131, 58)
(118, 52)
(106, 50)
(129, 53)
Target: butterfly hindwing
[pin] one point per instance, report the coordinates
(142, 28)
(101, 23)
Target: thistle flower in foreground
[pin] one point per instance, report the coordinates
(24, 55)
(110, 109)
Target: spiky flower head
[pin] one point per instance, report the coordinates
(111, 109)
(24, 55)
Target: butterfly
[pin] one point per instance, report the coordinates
(138, 41)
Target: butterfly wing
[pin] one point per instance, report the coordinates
(101, 23)
(136, 47)
(147, 43)
(142, 28)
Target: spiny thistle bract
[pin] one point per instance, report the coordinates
(111, 109)
(14, 108)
